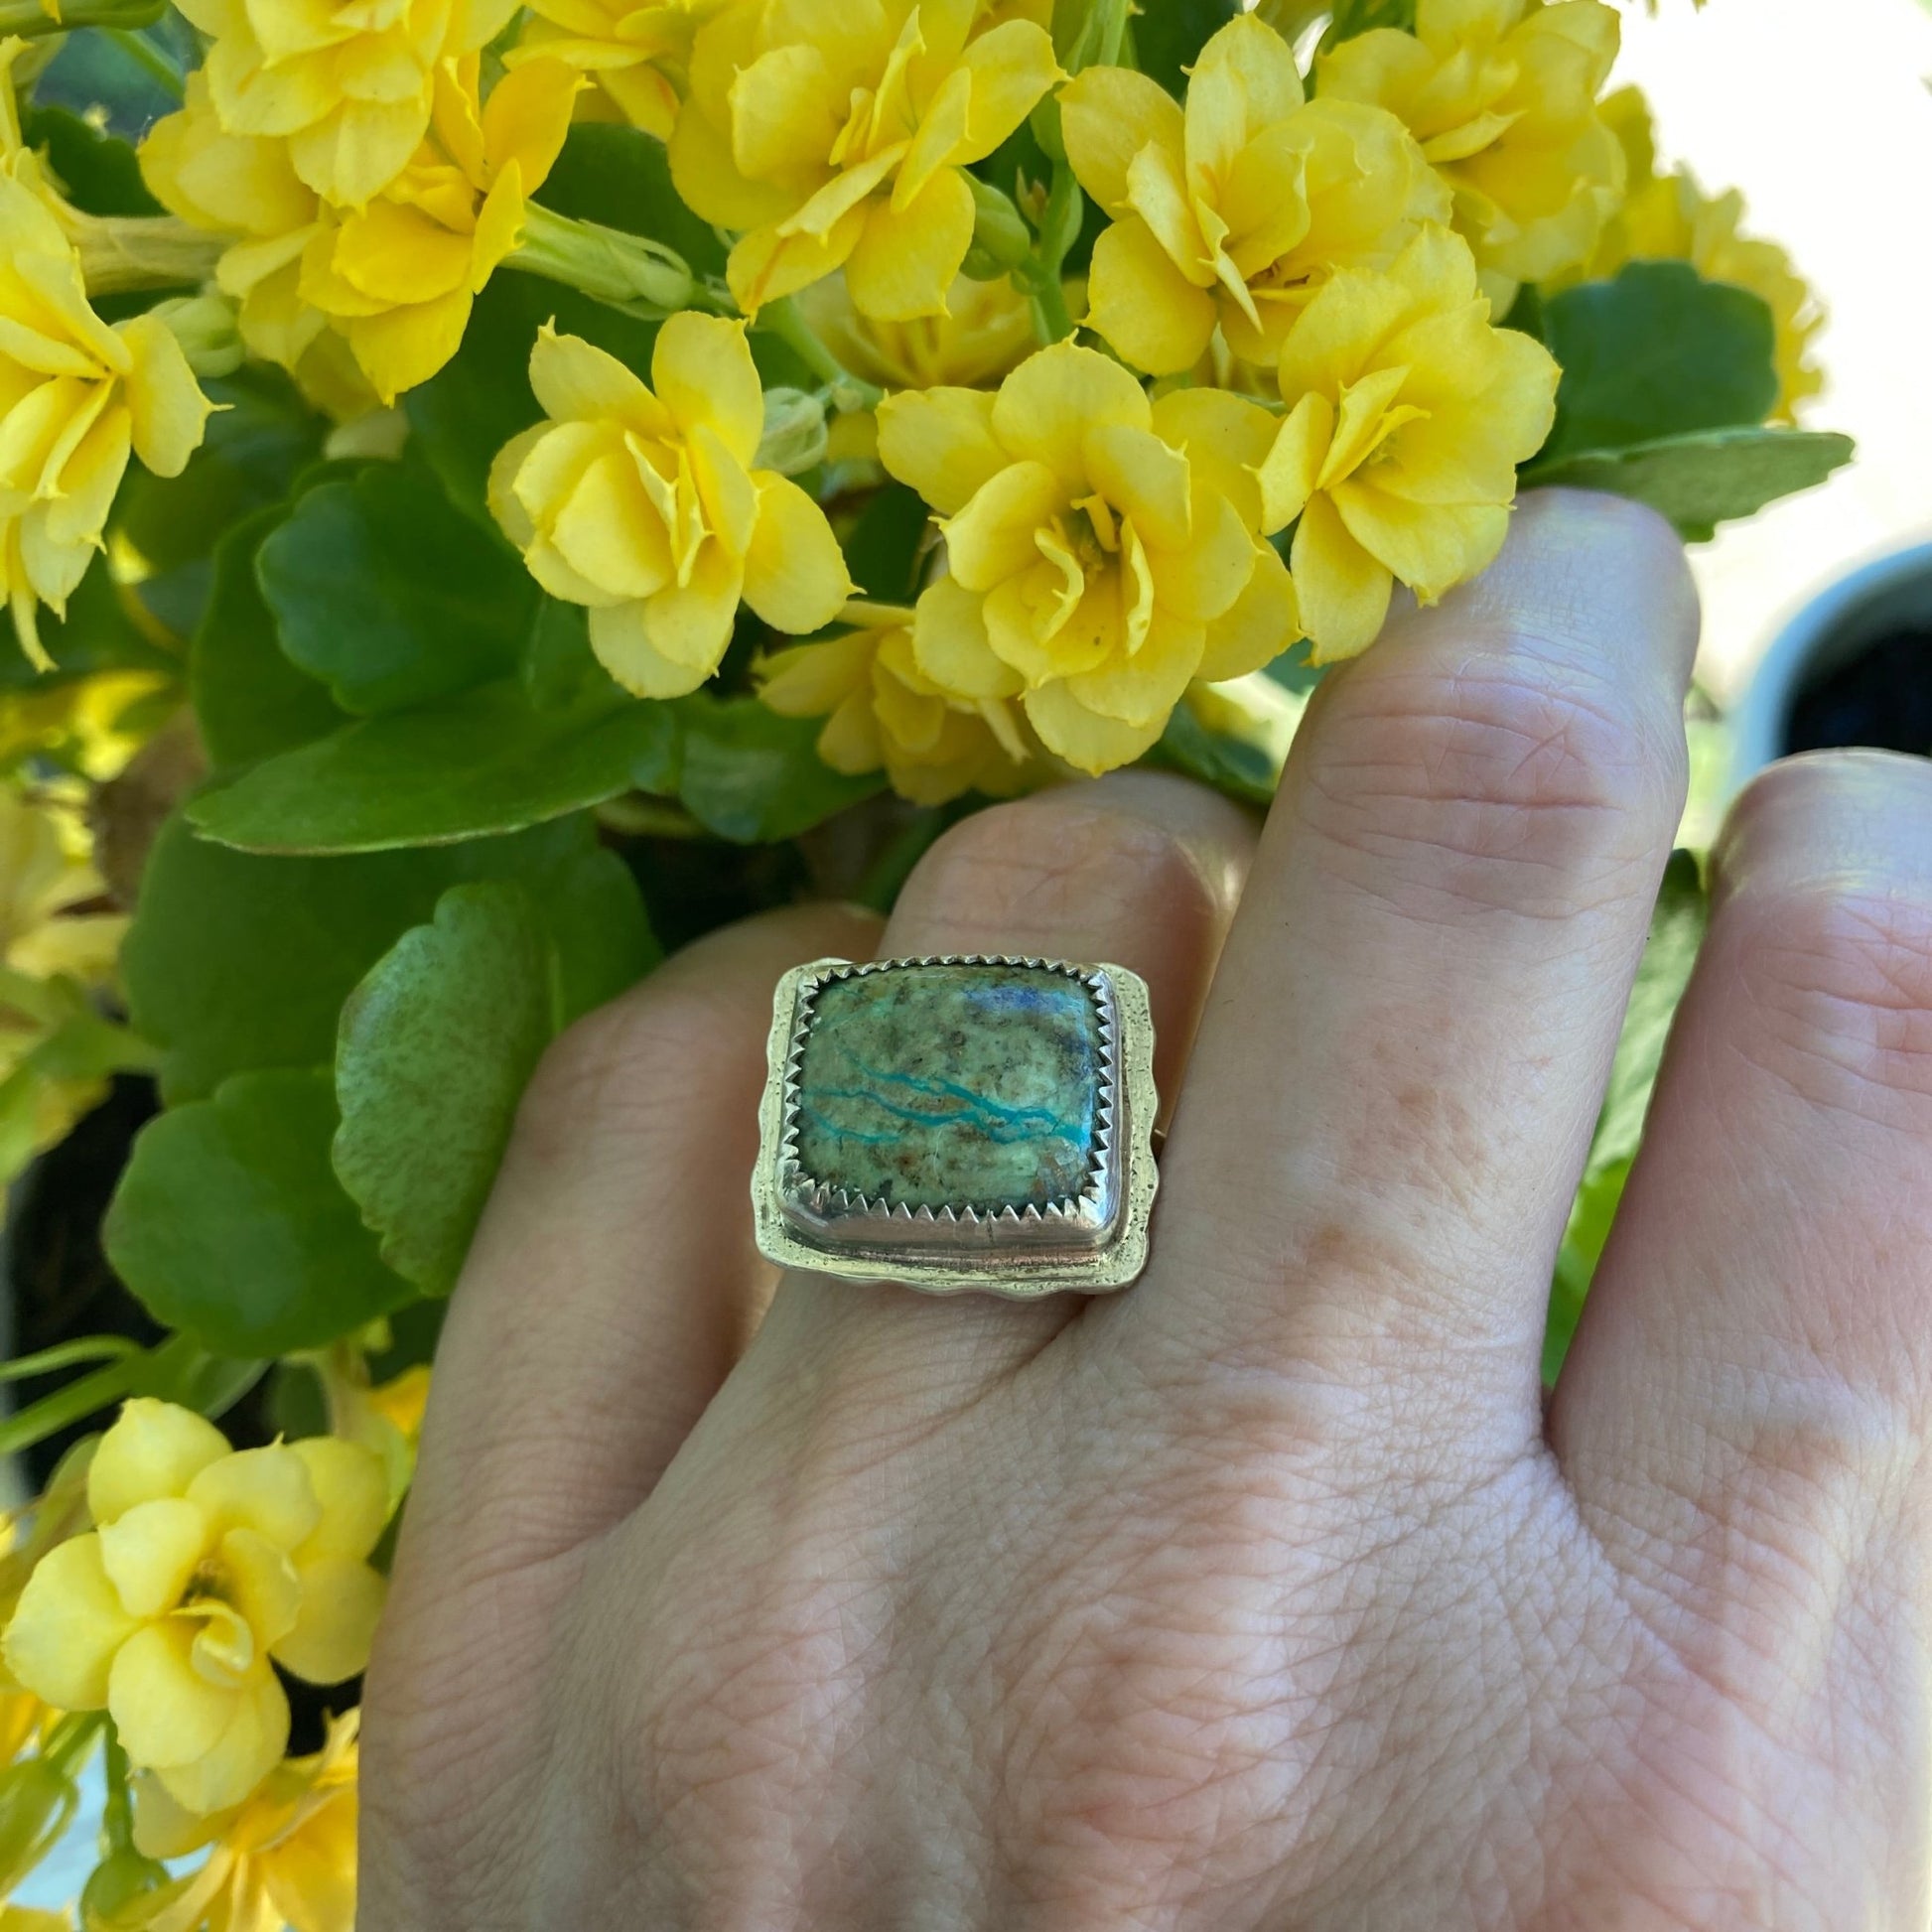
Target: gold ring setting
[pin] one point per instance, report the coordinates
(961, 1122)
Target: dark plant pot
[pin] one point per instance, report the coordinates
(1853, 667)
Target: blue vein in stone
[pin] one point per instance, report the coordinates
(1002, 1125)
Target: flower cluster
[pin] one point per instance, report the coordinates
(206, 1568)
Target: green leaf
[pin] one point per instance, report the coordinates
(883, 551)
(1238, 769)
(621, 177)
(481, 396)
(237, 962)
(1170, 33)
(1677, 928)
(97, 172)
(1352, 16)
(1657, 351)
(485, 762)
(250, 701)
(1700, 481)
(260, 438)
(386, 592)
(437, 1044)
(746, 773)
(99, 634)
(230, 1225)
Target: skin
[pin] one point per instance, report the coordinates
(1269, 1593)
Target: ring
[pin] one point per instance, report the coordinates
(959, 1123)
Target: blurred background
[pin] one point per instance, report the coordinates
(1820, 109)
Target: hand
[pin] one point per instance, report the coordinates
(1265, 1594)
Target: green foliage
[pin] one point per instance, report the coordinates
(621, 177)
(97, 172)
(1169, 35)
(438, 1040)
(1677, 928)
(1233, 767)
(237, 962)
(1704, 480)
(744, 772)
(483, 762)
(249, 700)
(383, 589)
(230, 1226)
(1352, 16)
(1658, 352)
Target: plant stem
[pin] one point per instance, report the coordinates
(149, 59)
(1052, 319)
(848, 391)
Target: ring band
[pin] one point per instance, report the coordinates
(957, 1123)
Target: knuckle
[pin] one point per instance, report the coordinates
(616, 1070)
(1514, 775)
(1039, 866)
(1840, 981)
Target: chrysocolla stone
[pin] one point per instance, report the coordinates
(960, 1085)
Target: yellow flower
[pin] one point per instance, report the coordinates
(75, 397)
(1103, 549)
(836, 132)
(286, 1856)
(986, 328)
(206, 1563)
(643, 504)
(880, 710)
(1669, 217)
(349, 85)
(1408, 413)
(633, 55)
(1502, 94)
(31, 1918)
(244, 185)
(398, 277)
(1236, 209)
(47, 880)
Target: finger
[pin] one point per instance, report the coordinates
(1759, 1334)
(606, 1292)
(1138, 870)
(1413, 1024)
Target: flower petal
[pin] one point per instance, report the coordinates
(796, 577)
(1144, 688)
(167, 408)
(1293, 461)
(904, 262)
(1107, 117)
(1226, 439)
(342, 1600)
(249, 1748)
(1344, 592)
(691, 624)
(993, 536)
(941, 442)
(1144, 479)
(265, 1489)
(1431, 548)
(1047, 406)
(703, 373)
(353, 1488)
(621, 639)
(69, 1626)
(1201, 580)
(1084, 739)
(166, 1712)
(1010, 67)
(1258, 627)
(151, 1551)
(949, 644)
(154, 1449)
(1137, 298)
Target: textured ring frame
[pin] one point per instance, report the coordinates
(1091, 1243)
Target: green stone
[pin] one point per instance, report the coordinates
(952, 1085)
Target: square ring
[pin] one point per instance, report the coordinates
(959, 1122)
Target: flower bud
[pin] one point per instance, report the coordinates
(998, 234)
(121, 1891)
(36, 1801)
(204, 327)
(630, 273)
(794, 432)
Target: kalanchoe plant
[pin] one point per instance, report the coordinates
(485, 499)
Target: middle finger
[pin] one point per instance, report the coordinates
(1408, 1038)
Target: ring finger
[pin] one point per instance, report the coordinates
(1138, 870)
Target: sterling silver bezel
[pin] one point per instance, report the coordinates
(1091, 1242)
